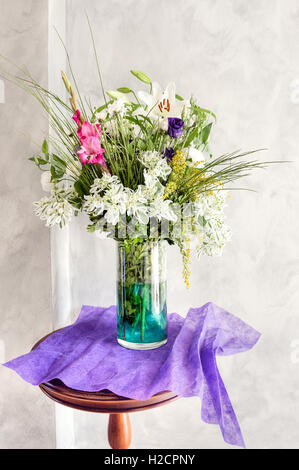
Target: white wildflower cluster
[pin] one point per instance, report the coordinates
(108, 197)
(214, 233)
(111, 115)
(161, 209)
(55, 209)
(137, 204)
(106, 194)
(118, 106)
(156, 167)
(111, 128)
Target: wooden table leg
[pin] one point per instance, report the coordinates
(119, 431)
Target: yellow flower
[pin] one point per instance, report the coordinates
(178, 165)
(170, 188)
(186, 253)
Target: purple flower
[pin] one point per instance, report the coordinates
(169, 153)
(175, 127)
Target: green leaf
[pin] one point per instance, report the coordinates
(57, 174)
(54, 176)
(58, 162)
(178, 97)
(91, 228)
(45, 147)
(58, 167)
(202, 220)
(134, 106)
(41, 161)
(79, 188)
(205, 133)
(141, 76)
(145, 118)
(191, 136)
(98, 110)
(76, 202)
(207, 111)
(136, 121)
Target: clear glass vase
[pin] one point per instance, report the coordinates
(141, 294)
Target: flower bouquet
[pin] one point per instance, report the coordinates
(140, 166)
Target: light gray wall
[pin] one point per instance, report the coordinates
(26, 416)
(240, 59)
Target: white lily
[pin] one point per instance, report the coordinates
(162, 104)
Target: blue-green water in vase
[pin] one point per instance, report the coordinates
(141, 294)
(142, 313)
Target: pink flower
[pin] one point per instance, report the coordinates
(88, 130)
(99, 160)
(83, 156)
(91, 150)
(77, 117)
(93, 159)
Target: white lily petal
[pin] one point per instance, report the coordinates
(157, 90)
(170, 92)
(145, 97)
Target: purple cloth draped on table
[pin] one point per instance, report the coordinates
(86, 356)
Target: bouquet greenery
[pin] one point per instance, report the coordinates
(139, 165)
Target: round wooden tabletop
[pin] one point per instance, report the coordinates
(119, 426)
(103, 401)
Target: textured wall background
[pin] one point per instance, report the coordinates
(241, 60)
(26, 418)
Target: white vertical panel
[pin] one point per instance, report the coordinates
(60, 239)
(65, 428)
(61, 289)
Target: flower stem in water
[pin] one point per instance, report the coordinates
(143, 311)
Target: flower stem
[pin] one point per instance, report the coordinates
(143, 311)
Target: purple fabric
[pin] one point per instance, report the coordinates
(86, 356)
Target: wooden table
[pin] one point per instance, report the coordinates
(119, 427)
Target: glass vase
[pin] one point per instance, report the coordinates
(141, 294)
